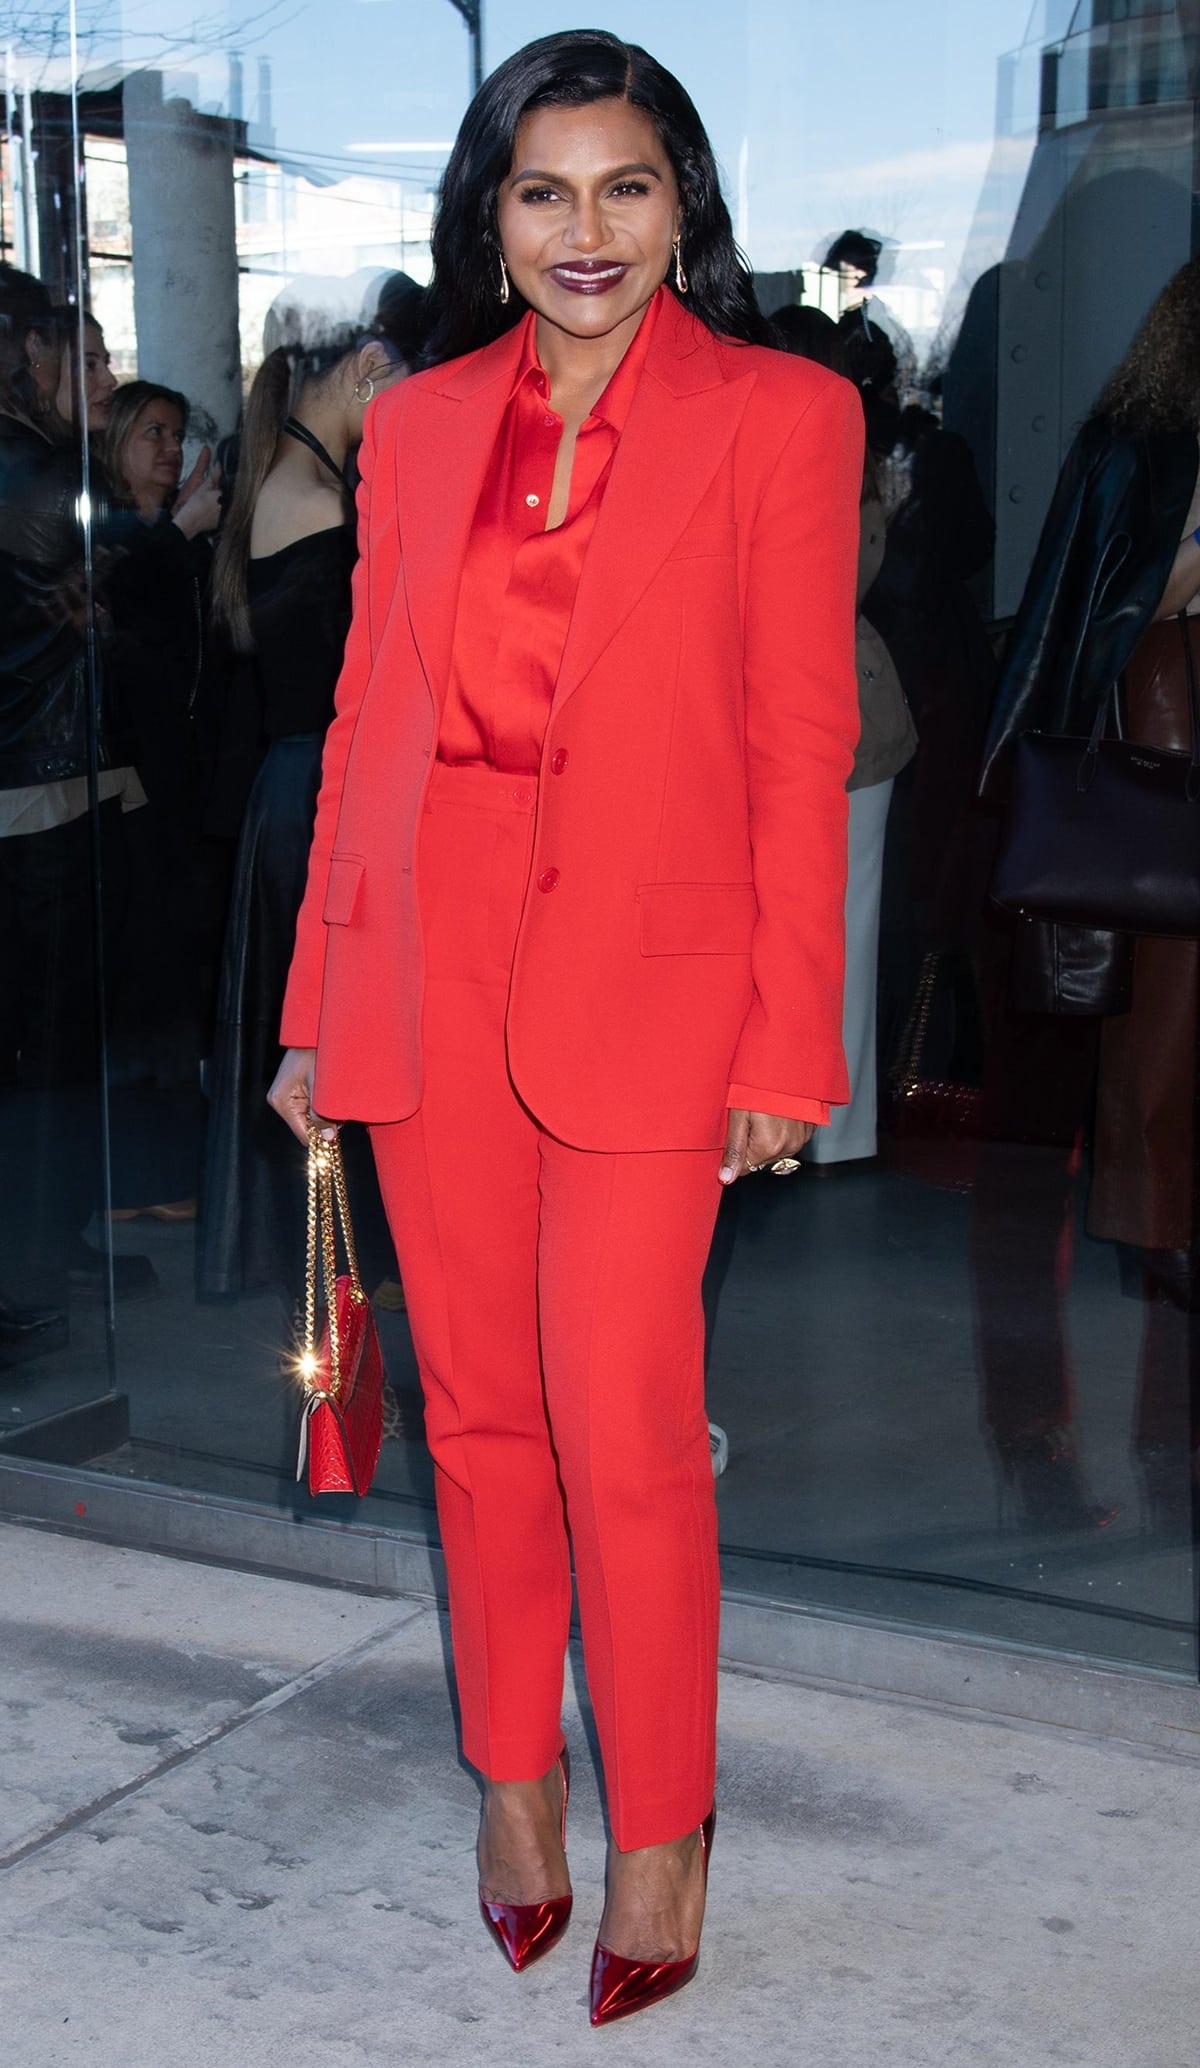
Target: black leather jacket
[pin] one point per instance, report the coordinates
(1098, 577)
(43, 685)
(44, 693)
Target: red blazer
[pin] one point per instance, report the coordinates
(691, 817)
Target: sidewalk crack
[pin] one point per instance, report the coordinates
(337, 1662)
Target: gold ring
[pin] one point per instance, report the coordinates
(784, 1166)
(751, 1168)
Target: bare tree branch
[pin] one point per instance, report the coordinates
(38, 32)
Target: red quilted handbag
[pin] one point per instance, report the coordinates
(341, 1431)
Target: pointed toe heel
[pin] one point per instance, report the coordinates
(619, 1987)
(525, 1931)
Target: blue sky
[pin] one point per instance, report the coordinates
(823, 91)
(832, 111)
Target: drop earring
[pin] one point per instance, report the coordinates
(504, 287)
(681, 279)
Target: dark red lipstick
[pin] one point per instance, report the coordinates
(588, 276)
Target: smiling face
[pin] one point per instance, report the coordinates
(588, 214)
(152, 460)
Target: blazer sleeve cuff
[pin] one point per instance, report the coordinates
(300, 1022)
(752, 1099)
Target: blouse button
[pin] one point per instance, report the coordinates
(533, 501)
(558, 760)
(522, 796)
(548, 880)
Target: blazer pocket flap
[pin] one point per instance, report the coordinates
(701, 540)
(341, 889)
(697, 918)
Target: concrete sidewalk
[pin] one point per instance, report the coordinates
(234, 1832)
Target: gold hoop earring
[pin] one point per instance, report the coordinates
(364, 382)
(681, 279)
(504, 287)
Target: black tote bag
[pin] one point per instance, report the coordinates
(1104, 833)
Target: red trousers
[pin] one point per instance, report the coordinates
(554, 1298)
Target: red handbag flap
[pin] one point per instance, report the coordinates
(345, 1435)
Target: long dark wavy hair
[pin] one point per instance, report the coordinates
(571, 70)
(25, 311)
(1157, 385)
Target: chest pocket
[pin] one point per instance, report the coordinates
(702, 541)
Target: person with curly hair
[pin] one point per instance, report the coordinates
(1114, 598)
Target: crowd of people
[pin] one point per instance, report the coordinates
(181, 658)
(181, 671)
(620, 989)
(168, 653)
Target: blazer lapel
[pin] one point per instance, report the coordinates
(681, 423)
(444, 442)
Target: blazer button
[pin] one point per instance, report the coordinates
(558, 760)
(548, 880)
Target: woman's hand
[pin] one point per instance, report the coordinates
(198, 504)
(757, 1138)
(291, 1094)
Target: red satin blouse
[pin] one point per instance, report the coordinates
(518, 586)
(519, 580)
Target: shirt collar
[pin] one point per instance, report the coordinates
(613, 406)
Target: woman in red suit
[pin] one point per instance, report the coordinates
(572, 940)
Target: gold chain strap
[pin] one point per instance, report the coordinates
(327, 1206)
(905, 1071)
(338, 1172)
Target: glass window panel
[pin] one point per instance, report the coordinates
(953, 1398)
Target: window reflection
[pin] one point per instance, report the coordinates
(954, 1390)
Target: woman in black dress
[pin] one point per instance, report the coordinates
(281, 591)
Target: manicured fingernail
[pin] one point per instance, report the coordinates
(727, 1174)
